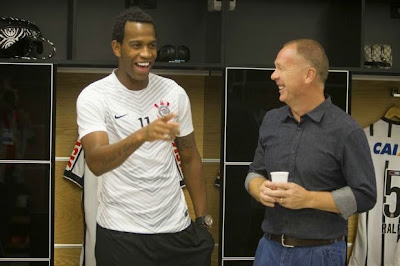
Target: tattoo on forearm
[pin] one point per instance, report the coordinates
(108, 161)
(185, 142)
(122, 153)
(126, 149)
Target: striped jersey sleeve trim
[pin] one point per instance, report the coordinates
(75, 168)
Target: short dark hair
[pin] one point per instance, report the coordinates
(313, 52)
(134, 14)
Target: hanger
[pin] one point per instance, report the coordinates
(393, 113)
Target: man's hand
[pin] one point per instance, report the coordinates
(161, 129)
(289, 195)
(265, 194)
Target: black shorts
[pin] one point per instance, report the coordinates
(192, 246)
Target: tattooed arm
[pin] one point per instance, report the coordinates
(192, 169)
(102, 157)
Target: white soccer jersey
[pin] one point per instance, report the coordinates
(377, 239)
(75, 169)
(78, 172)
(142, 195)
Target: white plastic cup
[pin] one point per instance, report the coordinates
(279, 176)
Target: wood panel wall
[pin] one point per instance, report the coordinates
(370, 100)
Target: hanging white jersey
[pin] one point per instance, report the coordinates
(143, 194)
(78, 172)
(178, 163)
(75, 168)
(378, 233)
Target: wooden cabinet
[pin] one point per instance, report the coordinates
(81, 29)
(379, 27)
(249, 35)
(256, 30)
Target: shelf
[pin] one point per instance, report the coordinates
(157, 65)
(218, 39)
(172, 72)
(375, 74)
(376, 77)
(159, 68)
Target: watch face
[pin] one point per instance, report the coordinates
(208, 221)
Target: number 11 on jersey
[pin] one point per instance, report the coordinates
(144, 118)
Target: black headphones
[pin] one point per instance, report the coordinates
(175, 54)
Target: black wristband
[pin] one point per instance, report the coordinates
(205, 220)
(199, 220)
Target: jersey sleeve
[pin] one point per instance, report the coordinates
(185, 115)
(90, 112)
(75, 169)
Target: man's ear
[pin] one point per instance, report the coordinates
(311, 74)
(116, 47)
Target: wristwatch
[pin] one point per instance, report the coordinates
(205, 220)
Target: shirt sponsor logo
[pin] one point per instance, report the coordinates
(386, 148)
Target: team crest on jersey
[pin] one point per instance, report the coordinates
(163, 108)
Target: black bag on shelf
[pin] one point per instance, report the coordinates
(20, 38)
(173, 54)
(378, 56)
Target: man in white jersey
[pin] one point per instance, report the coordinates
(126, 123)
(78, 172)
(378, 232)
